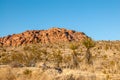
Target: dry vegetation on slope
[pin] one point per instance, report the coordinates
(77, 60)
(61, 61)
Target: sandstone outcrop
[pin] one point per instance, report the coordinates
(43, 36)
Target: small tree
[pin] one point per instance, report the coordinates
(45, 55)
(57, 55)
(88, 43)
(73, 47)
(32, 54)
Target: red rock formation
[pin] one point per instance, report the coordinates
(44, 36)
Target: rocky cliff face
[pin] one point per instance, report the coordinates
(44, 36)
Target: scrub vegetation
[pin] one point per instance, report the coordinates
(84, 60)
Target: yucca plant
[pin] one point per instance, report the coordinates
(45, 56)
(88, 43)
(73, 47)
(57, 56)
(32, 54)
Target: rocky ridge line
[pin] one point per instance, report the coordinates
(44, 36)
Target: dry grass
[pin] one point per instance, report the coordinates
(26, 62)
(51, 74)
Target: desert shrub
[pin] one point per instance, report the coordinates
(5, 58)
(67, 61)
(107, 77)
(57, 57)
(88, 43)
(112, 63)
(45, 56)
(28, 57)
(104, 71)
(105, 57)
(27, 72)
(70, 77)
(33, 54)
(106, 47)
(73, 47)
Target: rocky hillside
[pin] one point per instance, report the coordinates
(44, 36)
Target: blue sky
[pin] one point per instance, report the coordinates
(99, 19)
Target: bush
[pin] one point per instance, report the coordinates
(27, 72)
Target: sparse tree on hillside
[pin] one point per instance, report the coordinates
(73, 47)
(88, 43)
(57, 55)
(45, 55)
(34, 54)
